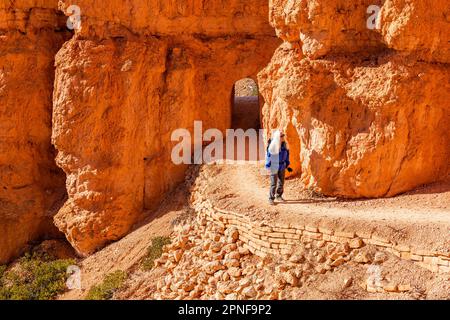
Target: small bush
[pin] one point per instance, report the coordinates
(106, 289)
(34, 277)
(154, 252)
(2, 270)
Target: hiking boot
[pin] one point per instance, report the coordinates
(280, 198)
(271, 202)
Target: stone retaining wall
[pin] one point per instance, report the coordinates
(262, 239)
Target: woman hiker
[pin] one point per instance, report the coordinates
(277, 162)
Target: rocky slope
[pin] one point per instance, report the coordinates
(213, 255)
(207, 261)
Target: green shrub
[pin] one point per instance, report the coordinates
(34, 277)
(2, 270)
(154, 252)
(106, 289)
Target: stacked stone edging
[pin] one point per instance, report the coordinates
(278, 238)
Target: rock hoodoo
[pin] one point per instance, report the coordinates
(366, 111)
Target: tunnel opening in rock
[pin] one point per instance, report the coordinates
(246, 112)
(246, 121)
(167, 76)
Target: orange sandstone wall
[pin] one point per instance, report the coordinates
(136, 71)
(31, 185)
(367, 111)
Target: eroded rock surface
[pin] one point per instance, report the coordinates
(31, 185)
(366, 111)
(327, 27)
(131, 76)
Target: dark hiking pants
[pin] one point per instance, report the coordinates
(277, 184)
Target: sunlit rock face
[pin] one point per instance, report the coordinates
(366, 110)
(31, 185)
(134, 73)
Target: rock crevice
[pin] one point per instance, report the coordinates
(31, 185)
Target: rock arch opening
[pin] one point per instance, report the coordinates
(246, 112)
(156, 78)
(245, 122)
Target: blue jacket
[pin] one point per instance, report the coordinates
(282, 158)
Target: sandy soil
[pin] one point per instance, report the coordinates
(241, 188)
(420, 218)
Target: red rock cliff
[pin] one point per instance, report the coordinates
(31, 185)
(135, 72)
(366, 110)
